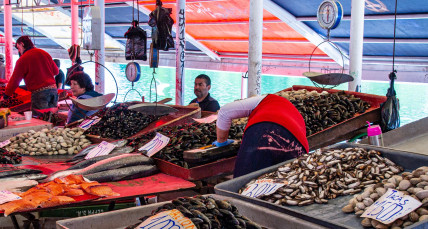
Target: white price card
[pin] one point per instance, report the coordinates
(89, 122)
(262, 187)
(208, 119)
(6, 196)
(103, 148)
(391, 206)
(5, 143)
(172, 219)
(155, 145)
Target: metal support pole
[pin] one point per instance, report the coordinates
(255, 47)
(8, 39)
(356, 45)
(180, 52)
(100, 54)
(74, 23)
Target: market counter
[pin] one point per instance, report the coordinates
(16, 127)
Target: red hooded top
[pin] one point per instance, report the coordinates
(279, 110)
(36, 67)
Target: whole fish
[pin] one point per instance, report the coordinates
(25, 176)
(126, 173)
(12, 173)
(17, 185)
(119, 144)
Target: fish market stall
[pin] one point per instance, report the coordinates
(128, 217)
(16, 127)
(326, 206)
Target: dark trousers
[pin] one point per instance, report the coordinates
(44, 99)
(266, 144)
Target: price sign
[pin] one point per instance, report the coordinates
(262, 187)
(89, 122)
(172, 219)
(6, 196)
(155, 145)
(5, 143)
(103, 148)
(391, 206)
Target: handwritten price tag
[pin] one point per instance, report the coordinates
(89, 122)
(5, 143)
(155, 145)
(172, 219)
(262, 187)
(391, 206)
(103, 148)
(6, 196)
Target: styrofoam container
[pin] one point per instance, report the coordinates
(126, 217)
(328, 215)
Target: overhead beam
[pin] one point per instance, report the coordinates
(375, 17)
(305, 31)
(246, 40)
(189, 38)
(384, 40)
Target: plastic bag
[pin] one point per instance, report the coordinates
(136, 44)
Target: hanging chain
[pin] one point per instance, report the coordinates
(393, 47)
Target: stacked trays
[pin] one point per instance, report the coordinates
(125, 217)
(327, 215)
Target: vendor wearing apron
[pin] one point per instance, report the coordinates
(275, 132)
(38, 70)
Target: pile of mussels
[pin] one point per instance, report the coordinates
(206, 212)
(118, 122)
(327, 174)
(186, 137)
(11, 102)
(7, 157)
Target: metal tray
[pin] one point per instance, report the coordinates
(328, 215)
(348, 128)
(125, 217)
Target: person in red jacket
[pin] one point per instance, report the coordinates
(275, 132)
(38, 70)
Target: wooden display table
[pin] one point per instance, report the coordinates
(16, 127)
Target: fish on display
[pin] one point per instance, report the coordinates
(126, 173)
(37, 176)
(17, 184)
(84, 163)
(16, 172)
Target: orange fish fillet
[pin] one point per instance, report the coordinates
(73, 192)
(101, 190)
(55, 189)
(70, 179)
(86, 185)
(38, 197)
(17, 205)
(57, 200)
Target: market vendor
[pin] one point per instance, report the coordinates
(82, 87)
(203, 97)
(37, 69)
(275, 132)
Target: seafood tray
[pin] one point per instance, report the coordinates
(223, 166)
(348, 128)
(126, 217)
(328, 215)
(184, 115)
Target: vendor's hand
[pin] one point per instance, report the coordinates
(220, 144)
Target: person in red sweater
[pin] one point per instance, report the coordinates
(275, 132)
(38, 70)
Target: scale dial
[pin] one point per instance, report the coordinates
(330, 13)
(133, 71)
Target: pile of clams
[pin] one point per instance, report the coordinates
(49, 142)
(186, 137)
(207, 212)
(413, 183)
(118, 122)
(327, 174)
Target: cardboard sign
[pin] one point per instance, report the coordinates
(262, 187)
(103, 148)
(5, 143)
(6, 196)
(172, 219)
(391, 206)
(89, 122)
(155, 145)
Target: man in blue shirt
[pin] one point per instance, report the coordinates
(203, 98)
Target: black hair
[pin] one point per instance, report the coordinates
(57, 62)
(83, 80)
(26, 41)
(206, 78)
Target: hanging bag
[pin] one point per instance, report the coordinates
(161, 23)
(136, 48)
